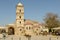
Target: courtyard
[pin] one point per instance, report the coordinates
(41, 37)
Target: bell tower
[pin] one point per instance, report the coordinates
(19, 18)
(20, 15)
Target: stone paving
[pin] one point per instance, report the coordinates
(48, 37)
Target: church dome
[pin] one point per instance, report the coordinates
(20, 4)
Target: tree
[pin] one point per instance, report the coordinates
(51, 21)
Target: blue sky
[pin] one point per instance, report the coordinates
(34, 9)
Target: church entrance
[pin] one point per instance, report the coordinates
(10, 31)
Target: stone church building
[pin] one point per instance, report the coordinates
(22, 26)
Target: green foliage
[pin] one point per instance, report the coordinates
(51, 20)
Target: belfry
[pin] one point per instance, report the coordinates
(19, 15)
(19, 18)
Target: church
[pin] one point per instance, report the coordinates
(21, 26)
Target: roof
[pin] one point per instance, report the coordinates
(20, 4)
(57, 28)
(2, 27)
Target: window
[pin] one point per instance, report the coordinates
(20, 22)
(20, 10)
(29, 28)
(20, 29)
(24, 19)
(19, 16)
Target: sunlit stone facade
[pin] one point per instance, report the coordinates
(23, 26)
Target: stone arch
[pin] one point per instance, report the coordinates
(11, 31)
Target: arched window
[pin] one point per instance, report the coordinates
(29, 27)
(20, 22)
(20, 10)
(3, 31)
(19, 16)
(20, 29)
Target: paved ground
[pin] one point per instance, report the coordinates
(48, 37)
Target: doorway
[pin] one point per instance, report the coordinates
(10, 31)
